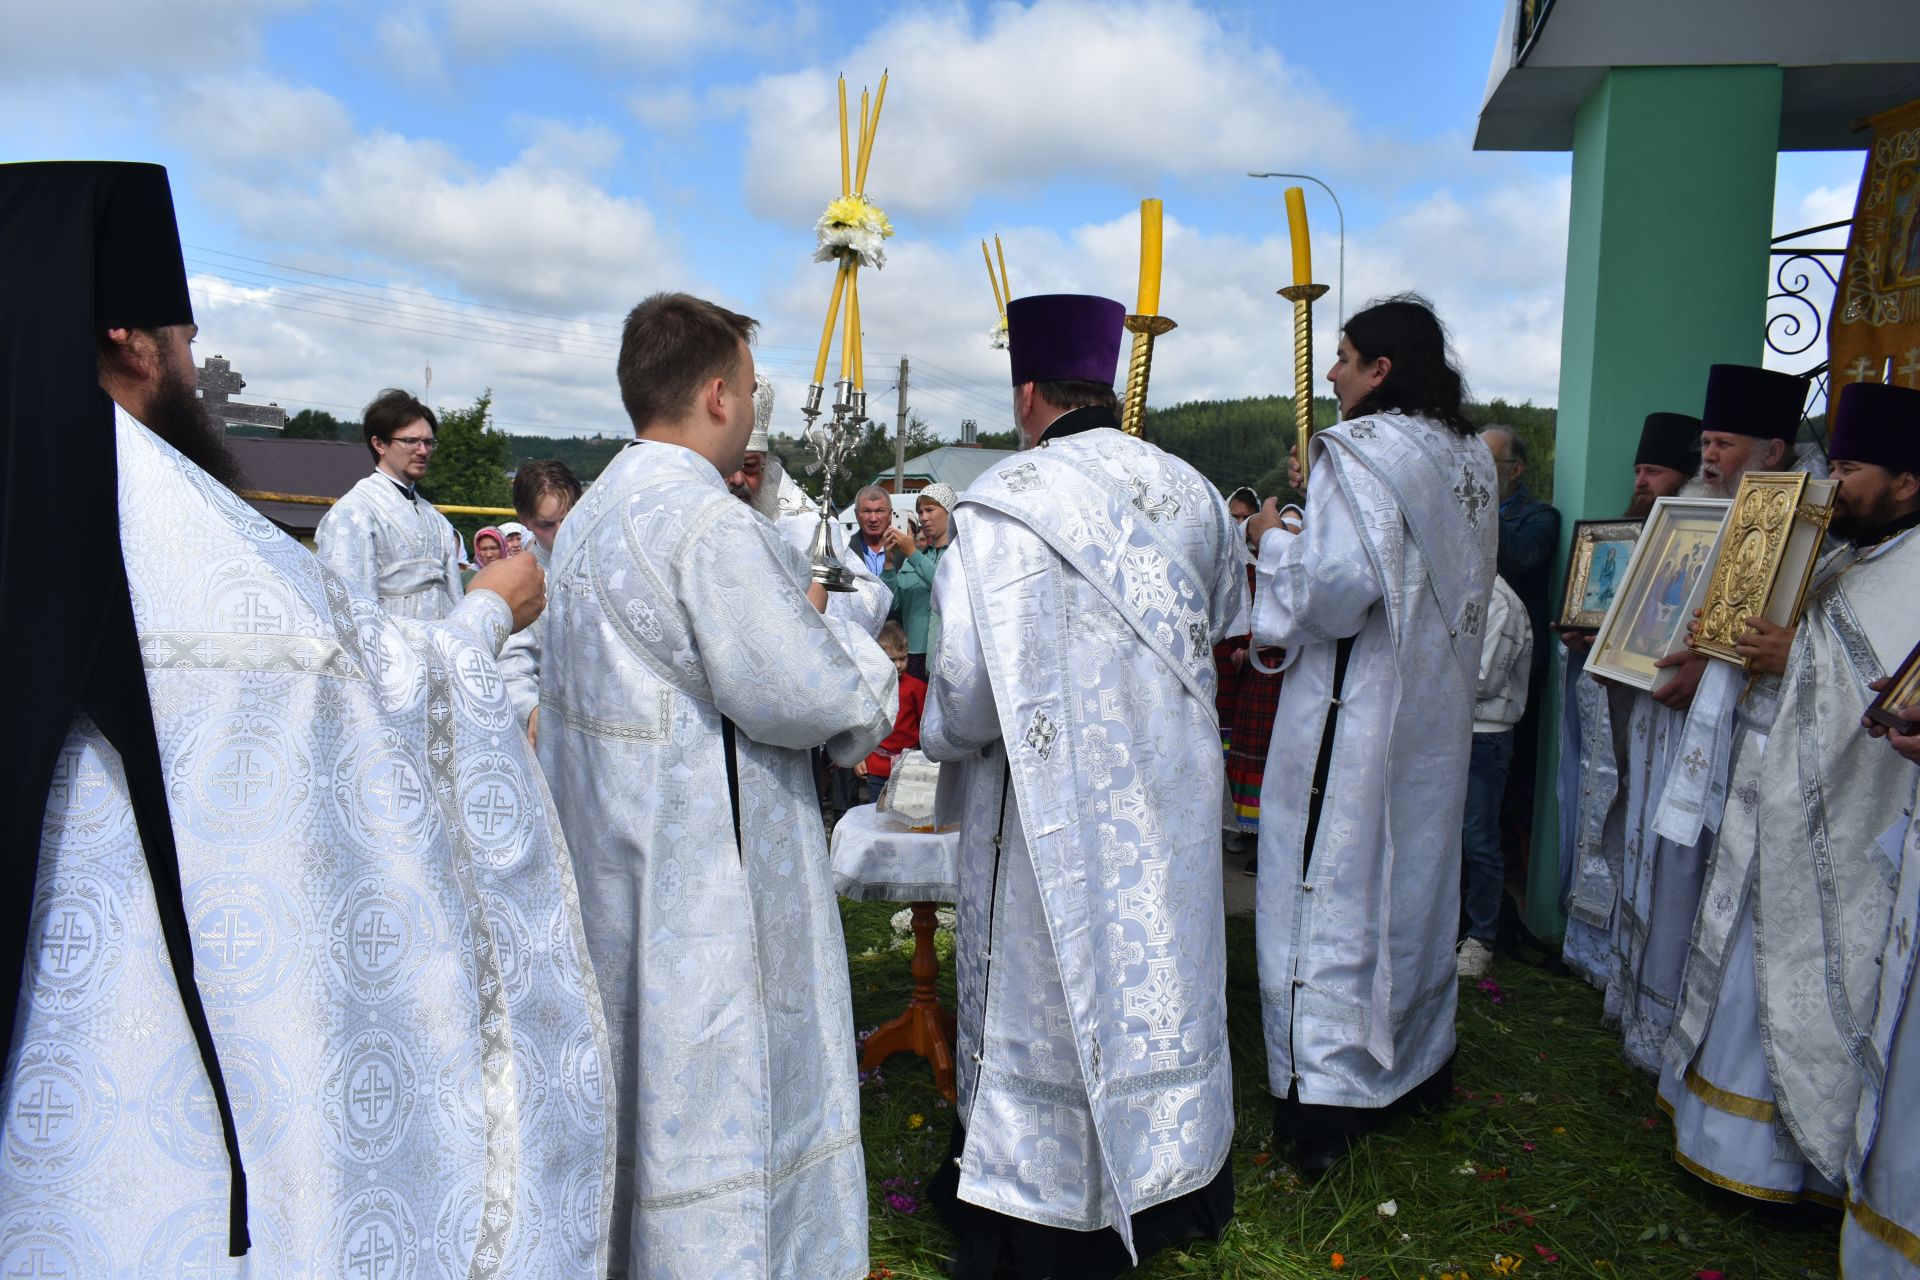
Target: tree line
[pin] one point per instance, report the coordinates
(1231, 442)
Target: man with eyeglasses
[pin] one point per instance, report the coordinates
(382, 536)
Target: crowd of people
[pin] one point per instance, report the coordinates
(378, 920)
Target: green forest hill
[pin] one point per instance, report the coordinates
(1231, 442)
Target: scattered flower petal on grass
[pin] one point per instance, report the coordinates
(1492, 991)
(915, 1120)
(1709, 1275)
(1527, 1098)
(1261, 1157)
(1529, 1146)
(1505, 1265)
(1546, 1254)
(1388, 1208)
(1338, 1262)
(1559, 1131)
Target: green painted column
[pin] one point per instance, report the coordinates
(1667, 240)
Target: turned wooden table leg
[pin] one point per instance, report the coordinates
(926, 1027)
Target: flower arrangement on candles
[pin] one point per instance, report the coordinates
(997, 336)
(853, 228)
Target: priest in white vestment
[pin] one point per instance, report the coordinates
(544, 493)
(1764, 1061)
(312, 919)
(687, 672)
(1628, 892)
(382, 536)
(1881, 1237)
(1380, 601)
(1071, 694)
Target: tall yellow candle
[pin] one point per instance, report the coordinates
(1297, 229)
(859, 340)
(1005, 284)
(826, 333)
(999, 300)
(1149, 302)
(870, 128)
(846, 170)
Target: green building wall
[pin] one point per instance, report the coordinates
(1672, 214)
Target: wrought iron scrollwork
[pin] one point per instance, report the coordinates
(1805, 280)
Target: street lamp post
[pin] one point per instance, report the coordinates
(1341, 295)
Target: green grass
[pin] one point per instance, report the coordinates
(1569, 1153)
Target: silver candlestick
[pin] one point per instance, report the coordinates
(832, 440)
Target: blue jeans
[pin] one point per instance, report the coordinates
(1483, 866)
(874, 787)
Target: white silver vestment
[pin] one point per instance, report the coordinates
(1882, 1232)
(386, 937)
(1765, 1053)
(1078, 606)
(676, 609)
(1357, 971)
(393, 547)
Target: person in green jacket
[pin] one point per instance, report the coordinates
(910, 571)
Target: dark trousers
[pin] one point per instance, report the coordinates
(1482, 865)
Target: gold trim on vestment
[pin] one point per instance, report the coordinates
(1734, 1104)
(1773, 1194)
(1885, 1230)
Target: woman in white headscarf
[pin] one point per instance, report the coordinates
(910, 570)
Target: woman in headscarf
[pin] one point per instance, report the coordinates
(488, 546)
(910, 570)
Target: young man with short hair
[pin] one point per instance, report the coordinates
(382, 536)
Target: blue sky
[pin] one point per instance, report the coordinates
(486, 185)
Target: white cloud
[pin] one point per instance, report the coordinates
(536, 232)
(251, 121)
(1494, 272)
(1128, 91)
(649, 31)
(100, 39)
(409, 48)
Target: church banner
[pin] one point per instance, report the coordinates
(1875, 334)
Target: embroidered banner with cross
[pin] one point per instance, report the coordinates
(1875, 332)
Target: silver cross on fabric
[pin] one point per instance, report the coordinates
(1041, 733)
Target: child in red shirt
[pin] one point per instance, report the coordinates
(878, 767)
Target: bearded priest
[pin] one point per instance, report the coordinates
(1380, 600)
(299, 904)
(1071, 697)
(1766, 1054)
(688, 671)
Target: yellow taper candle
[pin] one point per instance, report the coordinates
(826, 334)
(1149, 302)
(1005, 285)
(872, 128)
(859, 340)
(999, 300)
(1297, 228)
(846, 169)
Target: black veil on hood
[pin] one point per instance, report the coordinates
(84, 247)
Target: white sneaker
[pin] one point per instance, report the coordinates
(1473, 959)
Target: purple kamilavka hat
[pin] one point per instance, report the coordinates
(1058, 337)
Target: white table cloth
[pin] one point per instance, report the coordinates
(876, 859)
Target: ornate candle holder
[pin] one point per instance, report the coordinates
(832, 441)
(1133, 410)
(1302, 296)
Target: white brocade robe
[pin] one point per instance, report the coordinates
(386, 939)
(1881, 1237)
(395, 548)
(1599, 807)
(1357, 971)
(674, 608)
(520, 656)
(1078, 608)
(1659, 890)
(1765, 1056)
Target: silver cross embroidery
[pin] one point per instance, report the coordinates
(1695, 762)
(1364, 431)
(1473, 496)
(1475, 614)
(1040, 735)
(1024, 477)
(1165, 509)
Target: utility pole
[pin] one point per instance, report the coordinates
(900, 436)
